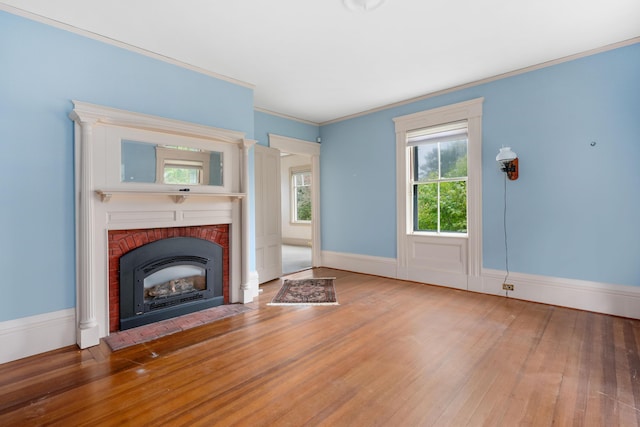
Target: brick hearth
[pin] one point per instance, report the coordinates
(123, 241)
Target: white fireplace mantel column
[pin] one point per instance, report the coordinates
(87, 334)
(249, 287)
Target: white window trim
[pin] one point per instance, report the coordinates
(464, 268)
(292, 199)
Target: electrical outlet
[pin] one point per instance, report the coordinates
(507, 286)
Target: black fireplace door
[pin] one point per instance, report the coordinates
(169, 278)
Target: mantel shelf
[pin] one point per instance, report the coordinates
(178, 196)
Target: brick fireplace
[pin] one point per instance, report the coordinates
(124, 241)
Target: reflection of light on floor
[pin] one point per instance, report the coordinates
(295, 258)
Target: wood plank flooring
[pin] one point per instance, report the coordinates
(393, 353)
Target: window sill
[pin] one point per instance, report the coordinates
(448, 235)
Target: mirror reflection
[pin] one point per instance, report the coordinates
(169, 164)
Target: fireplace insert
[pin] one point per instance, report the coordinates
(169, 278)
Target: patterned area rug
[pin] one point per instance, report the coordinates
(314, 291)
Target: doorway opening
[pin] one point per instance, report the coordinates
(297, 162)
(296, 207)
(295, 258)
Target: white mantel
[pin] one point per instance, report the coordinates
(104, 203)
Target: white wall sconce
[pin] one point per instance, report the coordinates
(508, 161)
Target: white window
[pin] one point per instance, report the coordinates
(439, 200)
(438, 178)
(301, 195)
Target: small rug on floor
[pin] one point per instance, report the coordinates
(313, 291)
(141, 334)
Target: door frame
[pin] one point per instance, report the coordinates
(306, 148)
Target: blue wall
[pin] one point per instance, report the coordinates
(573, 212)
(268, 123)
(43, 69)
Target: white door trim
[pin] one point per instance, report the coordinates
(306, 148)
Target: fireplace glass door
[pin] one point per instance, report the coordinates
(168, 278)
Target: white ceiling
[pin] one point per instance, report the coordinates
(316, 60)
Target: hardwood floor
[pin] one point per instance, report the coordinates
(393, 353)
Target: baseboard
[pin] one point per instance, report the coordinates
(37, 334)
(379, 266)
(617, 300)
(296, 242)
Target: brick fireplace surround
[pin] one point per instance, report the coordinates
(123, 241)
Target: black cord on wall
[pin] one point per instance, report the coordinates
(506, 245)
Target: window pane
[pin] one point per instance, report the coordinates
(181, 175)
(303, 204)
(426, 162)
(453, 159)
(426, 207)
(453, 207)
(301, 196)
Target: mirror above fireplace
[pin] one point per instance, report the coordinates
(170, 164)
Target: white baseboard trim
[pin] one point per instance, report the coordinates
(250, 289)
(379, 266)
(617, 300)
(37, 334)
(447, 279)
(296, 242)
(388, 267)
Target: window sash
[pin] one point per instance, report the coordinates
(437, 229)
(434, 136)
(300, 179)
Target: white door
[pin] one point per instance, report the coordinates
(268, 216)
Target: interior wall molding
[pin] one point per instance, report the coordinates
(79, 31)
(285, 116)
(489, 79)
(606, 298)
(366, 264)
(597, 297)
(37, 334)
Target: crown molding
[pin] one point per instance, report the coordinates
(285, 116)
(546, 64)
(85, 33)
